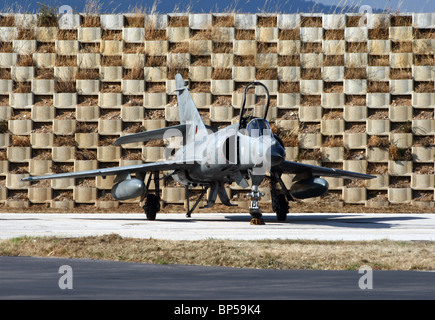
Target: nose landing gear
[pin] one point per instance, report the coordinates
(254, 209)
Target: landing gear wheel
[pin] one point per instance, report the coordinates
(280, 207)
(152, 206)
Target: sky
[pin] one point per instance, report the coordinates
(243, 6)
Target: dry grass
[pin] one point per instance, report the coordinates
(90, 21)
(65, 86)
(290, 138)
(378, 86)
(6, 47)
(22, 87)
(131, 155)
(424, 86)
(264, 254)
(44, 73)
(424, 60)
(25, 60)
(202, 34)
(333, 142)
(86, 127)
(399, 154)
(66, 61)
(289, 87)
(311, 47)
(178, 21)
(179, 47)
(111, 35)
(200, 86)
(156, 87)
(136, 20)
(401, 46)
(222, 73)
(132, 100)
(136, 73)
(223, 21)
(137, 48)
(89, 47)
(26, 34)
(45, 47)
(5, 73)
(378, 142)
(244, 61)
(155, 61)
(111, 61)
(377, 168)
(333, 87)
(313, 22)
(425, 141)
(336, 34)
(289, 34)
(333, 60)
(355, 73)
(20, 141)
(85, 154)
(267, 47)
(243, 34)
(400, 73)
(64, 141)
(266, 73)
(114, 87)
(356, 47)
(379, 60)
(311, 73)
(84, 73)
(222, 47)
(7, 21)
(314, 154)
(267, 21)
(311, 100)
(65, 34)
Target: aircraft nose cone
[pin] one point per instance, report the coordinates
(277, 155)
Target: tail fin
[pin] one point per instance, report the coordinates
(187, 110)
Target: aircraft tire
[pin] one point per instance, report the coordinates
(152, 206)
(280, 206)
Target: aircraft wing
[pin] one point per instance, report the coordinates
(144, 167)
(149, 135)
(302, 168)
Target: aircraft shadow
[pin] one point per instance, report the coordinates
(339, 220)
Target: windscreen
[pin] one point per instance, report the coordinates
(258, 127)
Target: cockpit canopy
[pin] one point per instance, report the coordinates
(259, 127)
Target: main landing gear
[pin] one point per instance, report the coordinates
(279, 200)
(152, 204)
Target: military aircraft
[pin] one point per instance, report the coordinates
(210, 158)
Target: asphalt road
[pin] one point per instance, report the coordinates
(401, 227)
(43, 278)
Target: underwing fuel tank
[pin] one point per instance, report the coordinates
(309, 188)
(128, 189)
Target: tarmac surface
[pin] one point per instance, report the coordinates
(324, 226)
(47, 278)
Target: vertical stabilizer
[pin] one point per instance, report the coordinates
(187, 110)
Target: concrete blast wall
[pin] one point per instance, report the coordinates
(347, 91)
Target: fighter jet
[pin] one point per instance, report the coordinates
(210, 158)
